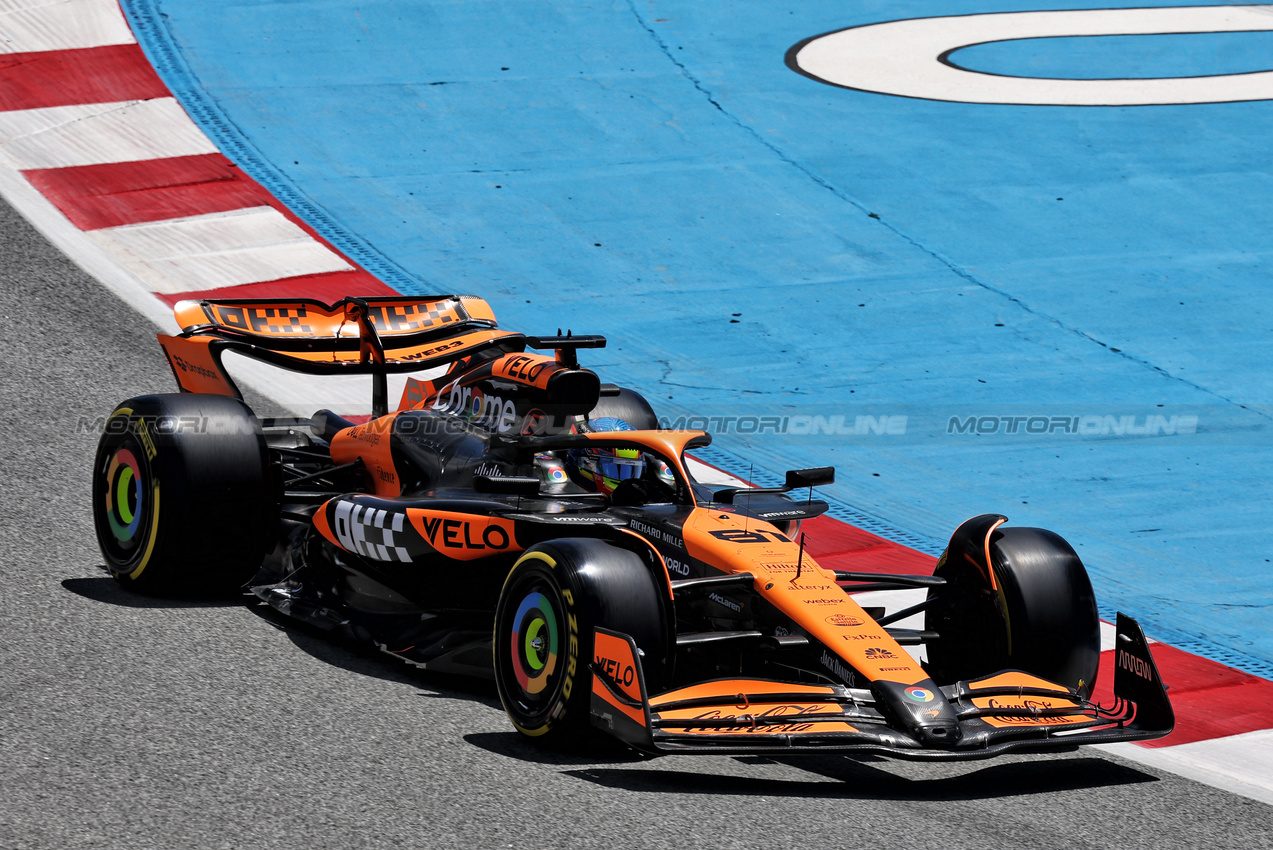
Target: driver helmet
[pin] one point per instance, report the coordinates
(603, 469)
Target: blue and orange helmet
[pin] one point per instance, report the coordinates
(602, 469)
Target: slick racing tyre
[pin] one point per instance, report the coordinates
(629, 406)
(182, 495)
(1041, 618)
(553, 598)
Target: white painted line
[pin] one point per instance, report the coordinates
(219, 249)
(1109, 636)
(62, 136)
(229, 230)
(71, 241)
(906, 57)
(1241, 764)
(31, 26)
(298, 395)
(711, 476)
(232, 268)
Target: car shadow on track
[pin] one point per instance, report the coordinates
(862, 777)
(329, 648)
(593, 749)
(106, 589)
(859, 779)
(366, 660)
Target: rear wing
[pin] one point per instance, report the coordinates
(354, 336)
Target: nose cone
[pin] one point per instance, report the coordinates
(922, 710)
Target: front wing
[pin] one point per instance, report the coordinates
(1009, 711)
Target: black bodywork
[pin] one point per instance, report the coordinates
(429, 598)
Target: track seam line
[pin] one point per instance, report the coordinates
(950, 264)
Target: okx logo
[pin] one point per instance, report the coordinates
(369, 532)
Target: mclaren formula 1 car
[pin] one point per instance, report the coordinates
(515, 517)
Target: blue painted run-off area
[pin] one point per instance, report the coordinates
(765, 249)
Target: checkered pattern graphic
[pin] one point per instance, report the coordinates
(407, 317)
(276, 321)
(292, 317)
(370, 532)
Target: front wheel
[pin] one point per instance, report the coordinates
(1037, 613)
(554, 597)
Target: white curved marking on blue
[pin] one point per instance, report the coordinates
(904, 58)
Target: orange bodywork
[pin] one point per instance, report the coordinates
(1025, 702)
(195, 367)
(293, 319)
(613, 659)
(307, 332)
(533, 370)
(737, 544)
(743, 699)
(812, 600)
(530, 370)
(405, 354)
(371, 443)
(464, 537)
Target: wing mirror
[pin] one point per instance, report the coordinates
(796, 478)
(817, 476)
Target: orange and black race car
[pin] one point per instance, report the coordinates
(516, 517)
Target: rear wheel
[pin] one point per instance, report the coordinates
(1040, 617)
(553, 598)
(182, 495)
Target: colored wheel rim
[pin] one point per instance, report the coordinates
(124, 497)
(532, 646)
(536, 628)
(124, 503)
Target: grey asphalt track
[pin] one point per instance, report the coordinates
(132, 723)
